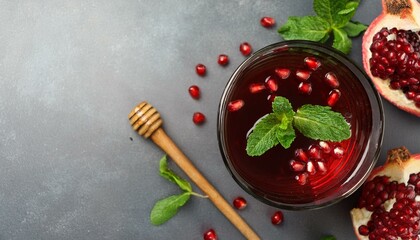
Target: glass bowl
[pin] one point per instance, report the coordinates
(300, 177)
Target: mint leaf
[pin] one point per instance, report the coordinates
(354, 29)
(270, 131)
(320, 122)
(171, 176)
(166, 208)
(350, 8)
(328, 9)
(332, 16)
(328, 238)
(341, 41)
(312, 28)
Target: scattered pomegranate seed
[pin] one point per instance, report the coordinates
(312, 63)
(210, 235)
(239, 203)
(223, 59)
(297, 166)
(301, 155)
(194, 91)
(200, 69)
(271, 84)
(333, 97)
(235, 105)
(303, 75)
(305, 88)
(332, 80)
(245, 48)
(198, 118)
(302, 178)
(277, 218)
(267, 22)
(283, 73)
(256, 87)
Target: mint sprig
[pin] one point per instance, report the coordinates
(313, 121)
(332, 17)
(166, 208)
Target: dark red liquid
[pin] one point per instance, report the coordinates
(270, 176)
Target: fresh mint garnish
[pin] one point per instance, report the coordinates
(166, 208)
(332, 17)
(313, 121)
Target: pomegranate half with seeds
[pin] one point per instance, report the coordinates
(391, 53)
(389, 206)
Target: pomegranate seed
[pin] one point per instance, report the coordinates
(333, 97)
(322, 167)
(338, 152)
(239, 203)
(277, 218)
(223, 59)
(194, 91)
(283, 73)
(363, 230)
(312, 63)
(256, 87)
(410, 95)
(325, 147)
(235, 105)
(200, 69)
(310, 168)
(271, 84)
(303, 75)
(302, 178)
(314, 151)
(305, 88)
(297, 166)
(245, 48)
(301, 155)
(198, 118)
(210, 235)
(267, 22)
(332, 80)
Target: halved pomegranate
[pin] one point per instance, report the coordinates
(389, 206)
(391, 53)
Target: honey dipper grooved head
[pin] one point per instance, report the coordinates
(145, 119)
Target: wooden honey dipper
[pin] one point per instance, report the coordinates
(145, 120)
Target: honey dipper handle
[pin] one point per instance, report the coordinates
(167, 145)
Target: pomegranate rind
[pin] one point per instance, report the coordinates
(398, 166)
(402, 20)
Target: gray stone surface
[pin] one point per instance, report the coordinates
(70, 72)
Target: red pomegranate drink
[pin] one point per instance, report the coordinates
(311, 172)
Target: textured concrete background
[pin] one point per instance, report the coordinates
(70, 73)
